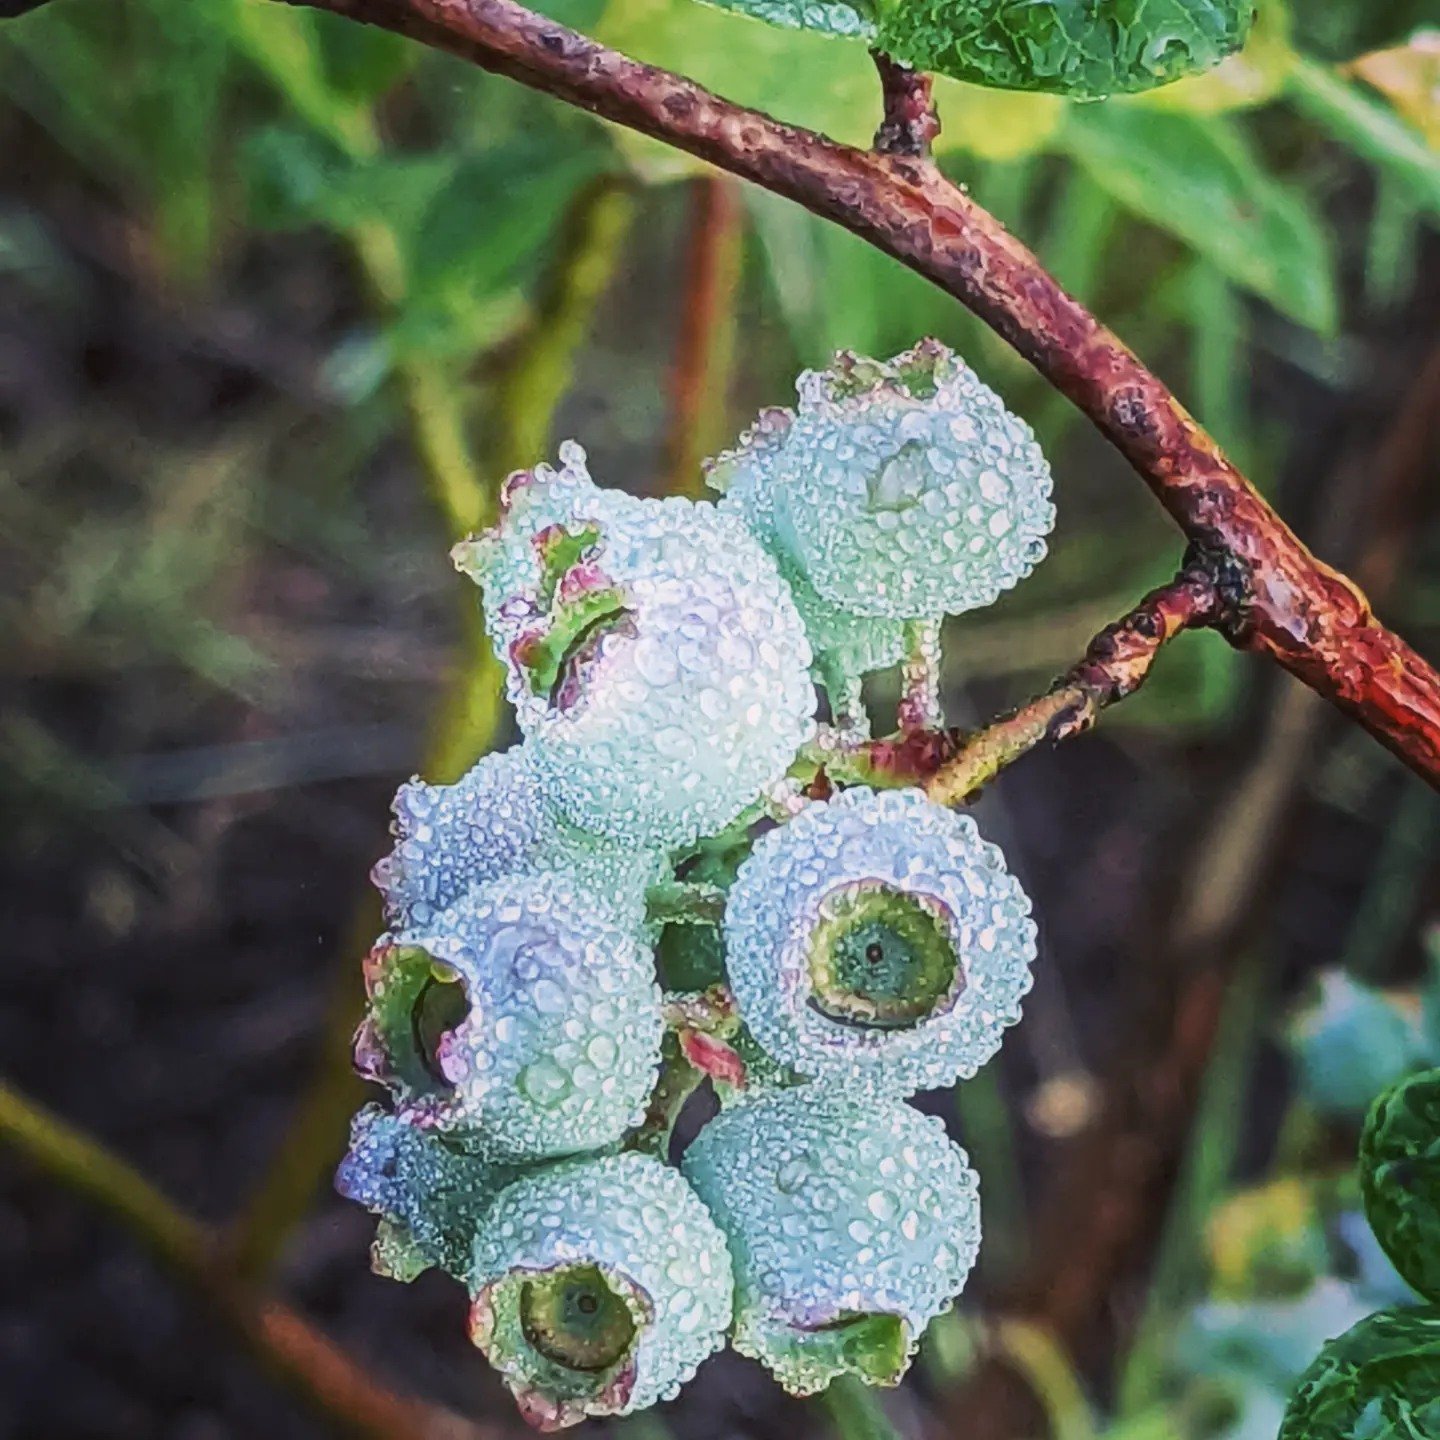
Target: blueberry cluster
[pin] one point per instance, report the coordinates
(636, 897)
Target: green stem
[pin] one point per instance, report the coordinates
(540, 371)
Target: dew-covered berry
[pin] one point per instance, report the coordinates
(852, 1223)
(497, 820)
(655, 657)
(878, 938)
(599, 1287)
(430, 1197)
(902, 489)
(846, 644)
(523, 1021)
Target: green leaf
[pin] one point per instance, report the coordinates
(284, 44)
(1251, 76)
(828, 17)
(1378, 1381)
(1086, 49)
(1400, 1178)
(1199, 180)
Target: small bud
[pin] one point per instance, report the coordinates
(853, 1223)
(430, 1198)
(877, 937)
(523, 1021)
(599, 1286)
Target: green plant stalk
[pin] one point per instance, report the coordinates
(855, 1411)
(310, 1364)
(542, 366)
(1367, 125)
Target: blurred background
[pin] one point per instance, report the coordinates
(283, 299)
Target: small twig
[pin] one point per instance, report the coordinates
(700, 378)
(1117, 663)
(312, 1365)
(911, 122)
(952, 767)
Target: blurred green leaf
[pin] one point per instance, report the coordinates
(1368, 126)
(1269, 1342)
(284, 44)
(1199, 180)
(136, 95)
(296, 180)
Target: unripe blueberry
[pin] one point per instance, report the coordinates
(852, 1222)
(878, 938)
(430, 1198)
(524, 1021)
(747, 477)
(902, 488)
(497, 821)
(599, 1286)
(655, 657)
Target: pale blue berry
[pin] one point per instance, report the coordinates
(902, 488)
(430, 1197)
(877, 938)
(523, 1021)
(496, 821)
(599, 1287)
(845, 643)
(656, 660)
(852, 1222)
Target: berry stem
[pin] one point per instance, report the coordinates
(920, 707)
(910, 122)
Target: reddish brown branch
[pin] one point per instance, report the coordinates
(1284, 602)
(910, 122)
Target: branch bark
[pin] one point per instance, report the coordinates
(1281, 601)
